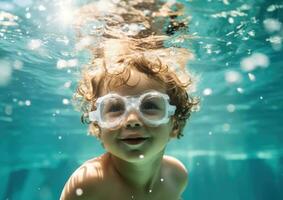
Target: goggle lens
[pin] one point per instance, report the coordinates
(151, 107)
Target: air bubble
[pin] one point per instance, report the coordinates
(233, 77)
(251, 76)
(28, 15)
(226, 127)
(8, 110)
(5, 72)
(68, 84)
(65, 101)
(28, 102)
(272, 25)
(79, 192)
(231, 108)
(41, 8)
(207, 91)
(18, 64)
(240, 90)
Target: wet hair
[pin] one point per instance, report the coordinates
(134, 36)
(98, 76)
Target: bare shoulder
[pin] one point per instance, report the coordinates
(177, 171)
(85, 181)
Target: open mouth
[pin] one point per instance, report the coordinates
(134, 141)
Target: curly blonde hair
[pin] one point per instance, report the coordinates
(95, 78)
(130, 36)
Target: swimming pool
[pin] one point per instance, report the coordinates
(232, 146)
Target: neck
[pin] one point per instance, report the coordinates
(140, 176)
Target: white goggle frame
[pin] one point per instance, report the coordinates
(132, 103)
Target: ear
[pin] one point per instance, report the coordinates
(175, 128)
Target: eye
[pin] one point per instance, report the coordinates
(149, 106)
(115, 108)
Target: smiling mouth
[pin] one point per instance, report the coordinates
(134, 141)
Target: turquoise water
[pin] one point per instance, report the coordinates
(232, 146)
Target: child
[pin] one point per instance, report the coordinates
(137, 102)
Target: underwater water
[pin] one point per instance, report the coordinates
(232, 146)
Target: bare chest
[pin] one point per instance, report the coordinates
(119, 191)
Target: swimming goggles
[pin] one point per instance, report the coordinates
(153, 107)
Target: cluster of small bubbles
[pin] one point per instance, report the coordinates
(231, 107)
(65, 101)
(240, 90)
(226, 127)
(207, 91)
(34, 44)
(208, 48)
(132, 29)
(255, 60)
(141, 156)
(61, 63)
(8, 19)
(251, 76)
(233, 77)
(272, 25)
(79, 192)
(5, 72)
(273, 7)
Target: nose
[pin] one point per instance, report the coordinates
(133, 121)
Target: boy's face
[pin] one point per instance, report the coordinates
(154, 139)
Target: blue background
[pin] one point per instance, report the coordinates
(232, 146)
